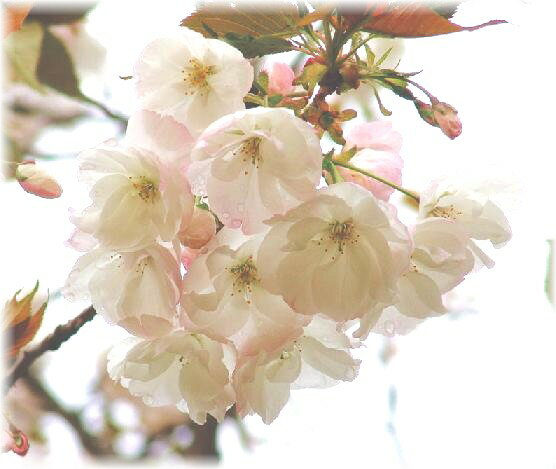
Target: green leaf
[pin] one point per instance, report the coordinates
(311, 75)
(242, 18)
(251, 46)
(384, 57)
(274, 100)
(55, 67)
(383, 110)
(22, 50)
(262, 81)
(370, 55)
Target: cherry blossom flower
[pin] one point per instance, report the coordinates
(471, 208)
(224, 298)
(139, 190)
(186, 370)
(440, 260)
(318, 358)
(254, 164)
(34, 180)
(136, 290)
(341, 253)
(194, 79)
(280, 78)
(378, 152)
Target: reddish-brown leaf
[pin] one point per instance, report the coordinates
(20, 323)
(413, 19)
(14, 15)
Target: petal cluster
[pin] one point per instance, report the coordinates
(211, 240)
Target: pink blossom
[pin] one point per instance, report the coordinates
(378, 153)
(280, 78)
(36, 181)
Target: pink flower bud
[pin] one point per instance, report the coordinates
(280, 79)
(36, 181)
(198, 230)
(447, 119)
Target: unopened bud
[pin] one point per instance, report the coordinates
(199, 230)
(36, 181)
(447, 119)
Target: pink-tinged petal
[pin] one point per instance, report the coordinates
(36, 181)
(81, 241)
(377, 135)
(280, 78)
(188, 255)
(447, 119)
(161, 135)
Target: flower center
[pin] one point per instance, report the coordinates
(245, 276)
(195, 76)
(342, 233)
(145, 188)
(448, 212)
(250, 150)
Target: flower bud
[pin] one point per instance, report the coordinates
(36, 181)
(280, 78)
(21, 323)
(350, 74)
(198, 230)
(447, 119)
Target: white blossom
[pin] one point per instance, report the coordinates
(194, 79)
(318, 358)
(137, 290)
(440, 260)
(186, 370)
(254, 164)
(341, 253)
(472, 209)
(224, 297)
(137, 197)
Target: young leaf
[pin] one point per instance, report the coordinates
(22, 49)
(242, 19)
(413, 19)
(257, 46)
(383, 110)
(311, 75)
(55, 67)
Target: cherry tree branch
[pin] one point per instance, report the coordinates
(52, 342)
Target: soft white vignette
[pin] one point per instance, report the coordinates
(476, 392)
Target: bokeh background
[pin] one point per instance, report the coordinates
(475, 388)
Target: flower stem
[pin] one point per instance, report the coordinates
(407, 192)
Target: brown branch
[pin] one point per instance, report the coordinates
(94, 446)
(51, 342)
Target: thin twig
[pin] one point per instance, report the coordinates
(51, 342)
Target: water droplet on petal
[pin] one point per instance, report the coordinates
(236, 223)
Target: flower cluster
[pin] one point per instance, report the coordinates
(209, 240)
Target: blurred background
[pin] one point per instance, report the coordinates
(475, 388)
